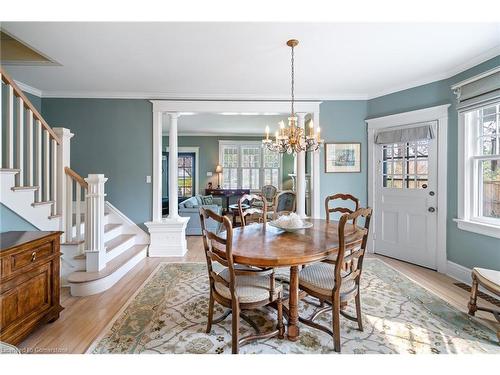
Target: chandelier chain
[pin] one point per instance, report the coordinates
(293, 82)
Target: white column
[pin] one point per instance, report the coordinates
(301, 174)
(157, 157)
(315, 176)
(63, 161)
(172, 167)
(94, 223)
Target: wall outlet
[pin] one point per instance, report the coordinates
(148, 179)
(209, 174)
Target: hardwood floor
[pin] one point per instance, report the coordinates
(84, 318)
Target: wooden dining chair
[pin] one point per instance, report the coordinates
(237, 287)
(257, 210)
(342, 208)
(284, 203)
(332, 284)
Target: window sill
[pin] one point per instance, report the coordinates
(477, 227)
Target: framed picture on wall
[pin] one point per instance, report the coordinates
(342, 157)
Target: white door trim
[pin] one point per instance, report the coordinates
(196, 151)
(439, 114)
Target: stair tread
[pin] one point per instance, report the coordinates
(117, 241)
(20, 188)
(10, 170)
(35, 204)
(111, 266)
(110, 227)
(111, 244)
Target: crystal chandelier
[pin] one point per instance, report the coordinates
(293, 139)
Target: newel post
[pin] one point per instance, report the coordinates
(94, 223)
(63, 160)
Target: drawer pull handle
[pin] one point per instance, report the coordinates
(33, 256)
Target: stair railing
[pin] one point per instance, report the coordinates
(30, 146)
(35, 151)
(76, 191)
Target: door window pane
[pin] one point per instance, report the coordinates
(405, 165)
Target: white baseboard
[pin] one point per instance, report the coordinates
(463, 274)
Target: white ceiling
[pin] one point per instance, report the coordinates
(247, 60)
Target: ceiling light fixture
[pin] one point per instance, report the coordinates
(293, 139)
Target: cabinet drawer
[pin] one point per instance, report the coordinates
(32, 256)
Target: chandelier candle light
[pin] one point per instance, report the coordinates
(293, 139)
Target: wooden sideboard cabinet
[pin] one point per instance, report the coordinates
(29, 282)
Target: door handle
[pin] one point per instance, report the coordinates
(431, 209)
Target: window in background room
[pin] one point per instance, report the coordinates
(271, 165)
(250, 166)
(230, 167)
(186, 175)
(246, 165)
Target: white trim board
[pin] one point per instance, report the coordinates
(439, 114)
(463, 274)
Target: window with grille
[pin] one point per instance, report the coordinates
(405, 165)
(485, 158)
(247, 165)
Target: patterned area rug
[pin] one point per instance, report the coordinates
(168, 315)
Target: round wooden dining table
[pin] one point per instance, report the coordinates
(263, 245)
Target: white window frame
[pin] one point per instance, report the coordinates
(468, 181)
(239, 144)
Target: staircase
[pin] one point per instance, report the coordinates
(100, 244)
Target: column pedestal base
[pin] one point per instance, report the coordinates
(167, 237)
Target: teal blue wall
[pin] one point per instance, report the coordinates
(113, 137)
(344, 121)
(9, 220)
(465, 248)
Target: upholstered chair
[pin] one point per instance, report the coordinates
(236, 287)
(269, 192)
(332, 284)
(349, 204)
(284, 203)
(490, 280)
(252, 209)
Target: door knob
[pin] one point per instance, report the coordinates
(431, 209)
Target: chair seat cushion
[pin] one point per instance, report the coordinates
(489, 278)
(320, 278)
(248, 288)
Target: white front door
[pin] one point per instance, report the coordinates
(406, 201)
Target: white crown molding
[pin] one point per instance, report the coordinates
(193, 96)
(254, 96)
(30, 89)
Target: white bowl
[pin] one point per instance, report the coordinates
(306, 225)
